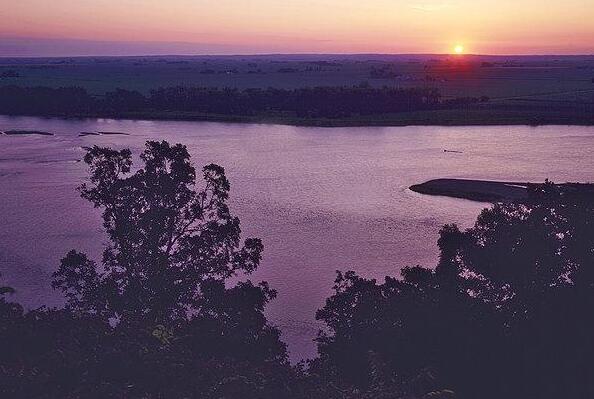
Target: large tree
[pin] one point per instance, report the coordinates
(169, 240)
(158, 317)
(507, 312)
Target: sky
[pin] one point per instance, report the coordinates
(138, 27)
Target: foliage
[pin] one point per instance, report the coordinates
(169, 243)
(316, 102)
(506, 313)
(158, 318)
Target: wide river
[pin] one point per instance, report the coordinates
(321, 199)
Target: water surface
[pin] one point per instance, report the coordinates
(321, 199)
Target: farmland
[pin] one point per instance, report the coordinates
(520, 89)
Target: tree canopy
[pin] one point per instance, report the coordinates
(170, 243)
(200, 102)
(506, 312)
(156, 317)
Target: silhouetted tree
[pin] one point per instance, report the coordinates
(506, 313)
(168, 240)
(534, 263)
(158, 318)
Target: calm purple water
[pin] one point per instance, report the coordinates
(321, 199)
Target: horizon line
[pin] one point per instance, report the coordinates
(281, 54)
(14, 46)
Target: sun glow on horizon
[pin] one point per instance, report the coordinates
(297, 26)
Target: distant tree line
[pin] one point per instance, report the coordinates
(507, 312)
(11, 73)
(317, 102)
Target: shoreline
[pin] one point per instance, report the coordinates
(453, 117)
(492, 191)
(473, 190)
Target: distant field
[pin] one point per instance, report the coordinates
(519, 87)
(496, 77)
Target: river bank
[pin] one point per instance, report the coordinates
(490, 191)
(453, 117)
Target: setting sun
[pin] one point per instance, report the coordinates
(190, 156)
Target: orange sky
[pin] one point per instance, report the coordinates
(333, 26)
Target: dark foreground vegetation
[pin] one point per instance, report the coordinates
(226, 104)
(507, 312)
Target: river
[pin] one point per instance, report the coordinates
(321, 199)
